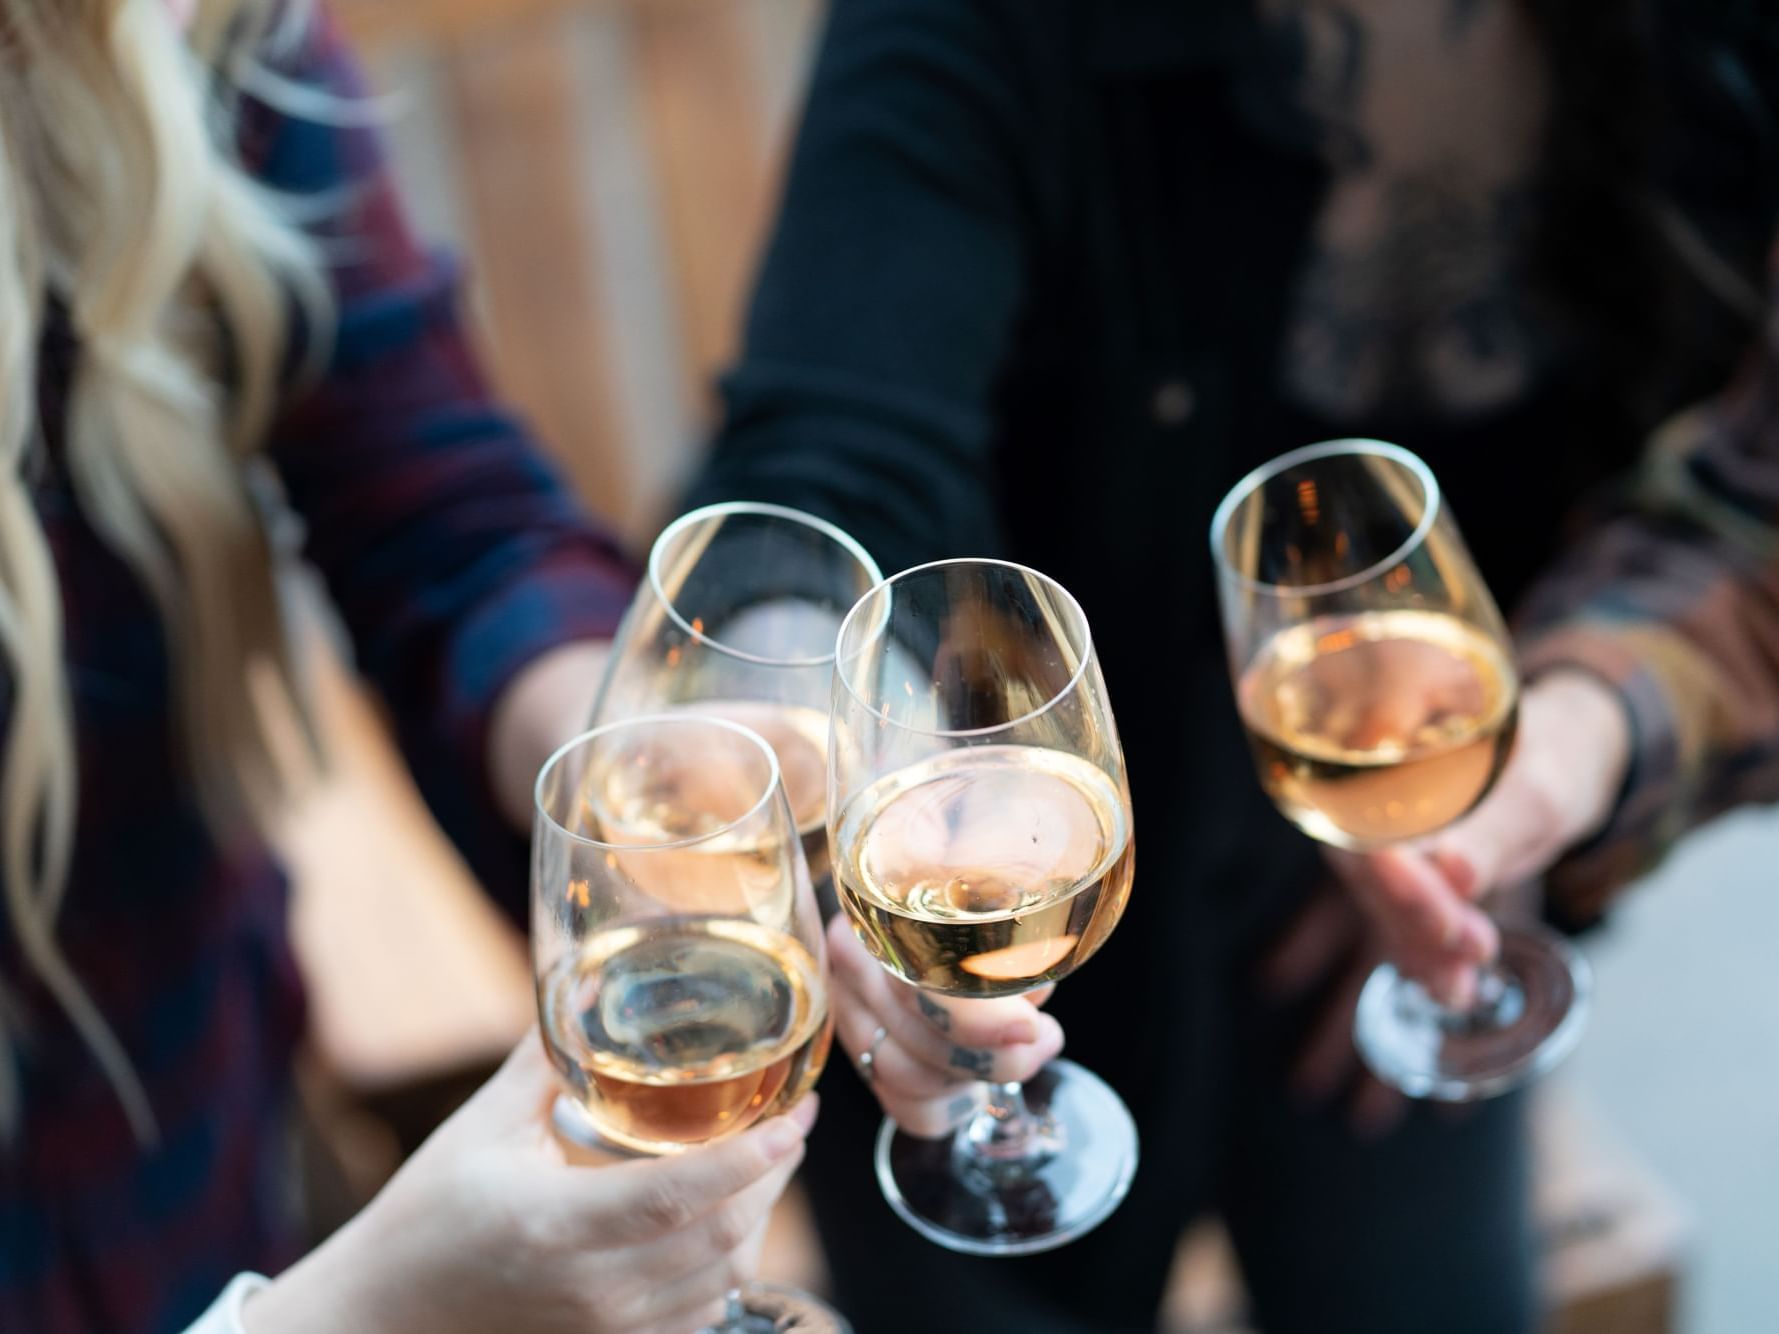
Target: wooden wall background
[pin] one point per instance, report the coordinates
(606, 167)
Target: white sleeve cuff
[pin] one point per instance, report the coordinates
(225, 1316)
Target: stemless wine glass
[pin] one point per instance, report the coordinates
(737, 619)
(1375, 679)
(981, 825)
(680, 967)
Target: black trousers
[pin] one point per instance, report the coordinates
(1426, 1231)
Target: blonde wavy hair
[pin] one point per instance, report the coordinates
(124, 206)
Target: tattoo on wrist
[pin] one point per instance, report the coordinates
(978, 1063)
(936, 1014)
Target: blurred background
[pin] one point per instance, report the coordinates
(606, 168)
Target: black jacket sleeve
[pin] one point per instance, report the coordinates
(890, 293)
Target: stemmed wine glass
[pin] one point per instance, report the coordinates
(1375, 679)
(681, 975)
(737, 618)
(981, 827)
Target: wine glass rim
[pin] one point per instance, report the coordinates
(1260, 476)
(773, 779)
(722, 510)
(1063, 692)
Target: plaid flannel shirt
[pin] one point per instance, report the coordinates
(1674, 599)
(455, 557)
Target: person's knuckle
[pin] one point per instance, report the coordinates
(537, 1231)
(664, 1207)
(730, 1227)
(514, 1208)
(1548, 801)
(612, 1305)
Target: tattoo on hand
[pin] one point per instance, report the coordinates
(936, 1014)
(978, 1063)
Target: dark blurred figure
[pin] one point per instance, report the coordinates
(1050, 276)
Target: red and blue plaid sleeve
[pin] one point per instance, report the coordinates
(453, 551)
(1675, 603)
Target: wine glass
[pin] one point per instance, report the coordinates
(1375, 679)
(737, 619)
(679, 955)
(981, 828)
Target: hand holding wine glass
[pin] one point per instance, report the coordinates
(981, 831)
(487, 1227)
(1419, 906)
(681, 984)
(924, 1055)
(1558, 788)
(1376, 681)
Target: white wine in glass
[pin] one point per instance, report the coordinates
(681, 977)
(1378, 727)
(981, 824)
(679, 1033)
(987, 871)
(1375, 678)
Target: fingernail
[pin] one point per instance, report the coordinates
(1456, 990)
(806, 1110)
(1481, 939)
(1459, 871)
(783, 1137)
(1018, 1032)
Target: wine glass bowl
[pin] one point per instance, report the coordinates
(678, 949)
(1374, 676)
(982, 844)
(991, 853)
(1372, 668)
(737, 618)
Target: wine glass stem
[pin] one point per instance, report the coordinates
(1003, 1130)
(736, 1317)
(1491, 986)
(1498, 1003)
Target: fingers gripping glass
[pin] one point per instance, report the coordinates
(981, 828)
(1375, 680)
(680, 970)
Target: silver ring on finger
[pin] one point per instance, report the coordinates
(868, 1057)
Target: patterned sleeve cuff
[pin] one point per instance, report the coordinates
(570, 595)
(225, 1316)
(1653, 804)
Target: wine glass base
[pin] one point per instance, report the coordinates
(1414, 1044)
(1034, 1204)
